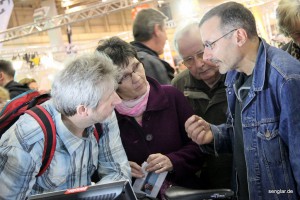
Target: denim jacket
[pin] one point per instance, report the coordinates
(271, 126)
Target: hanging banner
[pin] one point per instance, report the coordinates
(6, 7)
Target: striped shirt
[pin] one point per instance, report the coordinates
(75, 159)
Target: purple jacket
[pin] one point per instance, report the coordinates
(163, 132)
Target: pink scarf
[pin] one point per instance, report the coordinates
(135, 107)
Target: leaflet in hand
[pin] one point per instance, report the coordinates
(150, 184)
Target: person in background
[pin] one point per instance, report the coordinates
(288, 18)
(82, 94)
(4, 97)
(30, 82)
(203, 86)
(150, 36)
(7, 74)
(151, 118)
(262, 128)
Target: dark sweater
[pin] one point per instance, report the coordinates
(14, 88)
(154, 66)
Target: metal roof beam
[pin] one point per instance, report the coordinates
(92, 11)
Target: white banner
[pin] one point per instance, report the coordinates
(6, 7)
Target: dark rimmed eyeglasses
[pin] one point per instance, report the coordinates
(190, 61)
(210, 45)
(126, 77)
(294, 35)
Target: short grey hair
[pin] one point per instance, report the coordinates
(288, 15)
(182, 29)
(143, 25)
(233, 15)
(83, 81)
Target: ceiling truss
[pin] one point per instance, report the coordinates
(92, 11)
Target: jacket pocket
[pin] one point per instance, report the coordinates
(270, 144)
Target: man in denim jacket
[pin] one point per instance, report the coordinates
(82, 94)
(263, 92)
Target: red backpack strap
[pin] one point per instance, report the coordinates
(98, 131)
(42, 116)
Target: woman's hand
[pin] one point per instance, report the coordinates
(159, 163)
(136, 170)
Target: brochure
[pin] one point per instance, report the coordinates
(150, 184)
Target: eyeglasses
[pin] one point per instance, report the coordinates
(210, 45)
(126, 77)
(190, 61)
(294, 35)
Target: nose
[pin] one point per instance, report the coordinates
(134, 77)
(199, 62)
(207, 54)
(116, 99)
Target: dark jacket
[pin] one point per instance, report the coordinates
(293, 49)
(211, 105)
(205, 101)
(14, 88)
(154, 66)
(163, 132)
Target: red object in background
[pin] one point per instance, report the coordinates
(137, 9)
(76, 190)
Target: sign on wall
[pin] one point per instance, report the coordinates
(6, 7)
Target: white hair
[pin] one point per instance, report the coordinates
(83, 81)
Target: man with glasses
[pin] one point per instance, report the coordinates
(288, 16)
(203, 86)
(262, 128)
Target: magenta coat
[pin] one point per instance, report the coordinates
(163, 132)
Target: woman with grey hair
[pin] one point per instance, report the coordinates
(288, 16)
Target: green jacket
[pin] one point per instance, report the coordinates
(210, 104)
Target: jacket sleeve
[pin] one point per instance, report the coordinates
(289, 128)
(17, 167)
(188, 159)
(113, 162)
(222, 140)
(154, 68)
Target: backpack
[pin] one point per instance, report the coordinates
(28, 102)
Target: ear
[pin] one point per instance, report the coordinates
(1, 76)
(241, 37)
(82, 110)
(157, 30)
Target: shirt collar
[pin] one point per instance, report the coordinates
(68, 139)
(259, 70)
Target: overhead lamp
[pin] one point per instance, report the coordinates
(17, 64)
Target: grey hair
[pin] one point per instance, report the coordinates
(288, 15)
(233, 15)
(183, 29)
(83, 81)
(143, 25)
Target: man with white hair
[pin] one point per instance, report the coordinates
(203, 86)
(83, 94)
